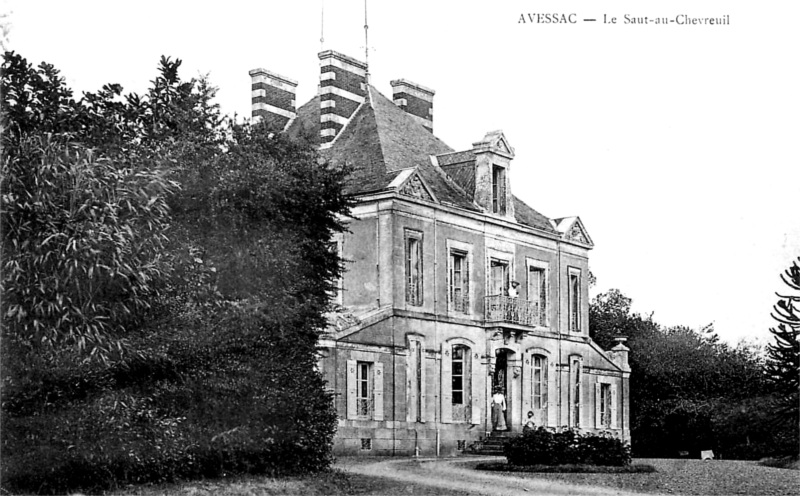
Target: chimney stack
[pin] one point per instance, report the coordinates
(273, 98)
(342, 88)
(415, 99)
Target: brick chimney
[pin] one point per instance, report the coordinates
(273, 98)
(415, 99)
(342, 88)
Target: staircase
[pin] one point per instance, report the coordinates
(492, 445)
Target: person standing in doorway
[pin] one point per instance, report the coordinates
(499, 410)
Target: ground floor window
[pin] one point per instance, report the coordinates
(461, 381)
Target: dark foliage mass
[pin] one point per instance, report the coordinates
(783, 358)
(165, 273)
(690, 391)
(567, 447)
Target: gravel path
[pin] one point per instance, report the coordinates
(451, 474)
(687, 477)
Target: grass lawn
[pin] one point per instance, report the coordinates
(689, 477)
(333, 483)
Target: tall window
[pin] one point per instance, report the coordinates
(498, 190)
(605, 406)
(575, 391)
(539, 389)
(461, 380)
(498, 277)
(574, 300)
(364, 389)
(414, 268)
(537, 292)
(459, 281)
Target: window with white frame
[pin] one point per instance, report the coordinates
(537, 290)
(364, 390)
(574, 292)
(605, 405)
(461, 380)
(575, 373)
(539, 389)
(498, 189)
(413, 267)
(498, 277)
(459, 281)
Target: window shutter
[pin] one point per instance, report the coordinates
(598, 401)
(465, 276)
(543, 299)
(447, 384)
(351, 389)
(614, 422)
(422, 384)
(476, 385)
(451, 281)
(411, 382)
(377, 391)
(527, 386)
(552, 406)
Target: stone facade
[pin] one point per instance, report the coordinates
(425, 328)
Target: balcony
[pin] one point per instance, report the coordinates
(513, 310)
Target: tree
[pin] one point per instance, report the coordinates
(689, 390)
(85, 189)
(783, 364)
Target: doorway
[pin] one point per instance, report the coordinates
(500, 385)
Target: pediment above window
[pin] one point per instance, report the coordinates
(410, 183)
(573, 230)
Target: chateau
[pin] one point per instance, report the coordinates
(428, 326)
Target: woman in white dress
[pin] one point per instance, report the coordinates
(499, 411)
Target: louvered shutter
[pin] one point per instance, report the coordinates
(447, 384)
(351, 389)
(527, 385)
(377, 391)
(475, 381)
(466, 278)
(552, 403)
(409, 272)
(411, 381)
(423, 398)
(614, 422)
(451, 282)
(598, 402)
(543, 298)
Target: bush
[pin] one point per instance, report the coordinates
(544, 447)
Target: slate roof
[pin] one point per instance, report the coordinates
(381, 139)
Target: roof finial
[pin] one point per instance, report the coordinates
(322, 26)
(366, 40)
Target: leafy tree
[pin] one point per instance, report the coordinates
(217, 287)
(689, 390)
(85, 189)
(783, 364)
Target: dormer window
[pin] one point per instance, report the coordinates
(498, 190)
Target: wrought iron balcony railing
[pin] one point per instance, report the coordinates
(514, 310)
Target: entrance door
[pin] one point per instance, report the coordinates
(500, 386)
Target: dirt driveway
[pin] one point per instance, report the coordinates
(447, 474)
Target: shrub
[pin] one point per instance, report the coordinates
(544, 447)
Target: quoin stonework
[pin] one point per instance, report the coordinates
(426, 327)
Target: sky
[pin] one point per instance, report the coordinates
(677, 145)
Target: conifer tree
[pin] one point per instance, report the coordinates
(783, 364)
